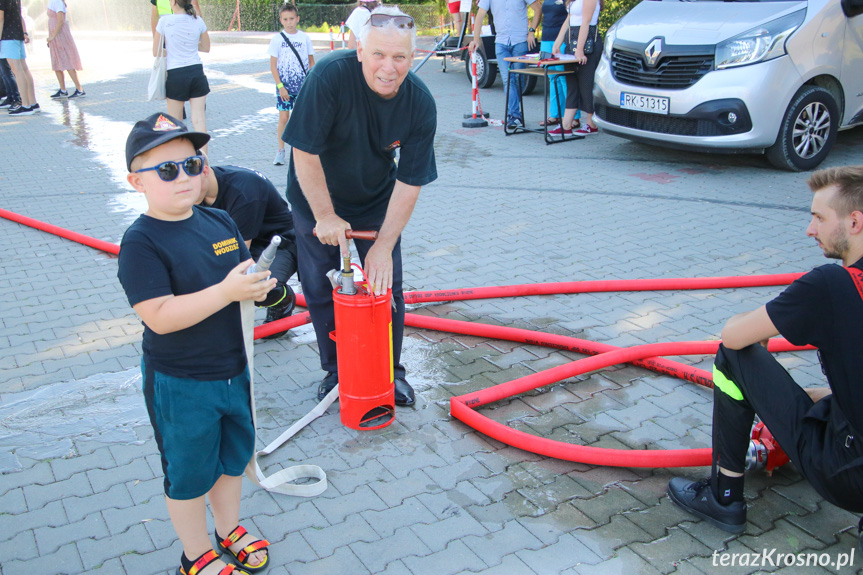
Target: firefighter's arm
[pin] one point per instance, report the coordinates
(379, 260)
(747, 328)
(329, 227)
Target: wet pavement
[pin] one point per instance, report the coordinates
(81, 487)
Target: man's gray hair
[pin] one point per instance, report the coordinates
(392, 11)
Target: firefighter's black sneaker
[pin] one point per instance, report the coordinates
(281, 310)
(404, 392)
(327, 384)
(697, 498)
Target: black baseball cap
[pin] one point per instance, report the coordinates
(157, 130)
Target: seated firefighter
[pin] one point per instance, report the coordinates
(817, 428)
(260, 212)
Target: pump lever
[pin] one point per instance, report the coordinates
(370, 235)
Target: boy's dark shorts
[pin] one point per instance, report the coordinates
(186, 83)
(204, 429)
(283, 106)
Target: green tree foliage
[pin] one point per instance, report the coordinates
(612, 11)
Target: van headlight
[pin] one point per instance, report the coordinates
(759, 44)
(610, 35)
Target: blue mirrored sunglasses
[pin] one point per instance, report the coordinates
(168, 171)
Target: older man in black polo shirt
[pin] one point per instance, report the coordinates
(356, 109)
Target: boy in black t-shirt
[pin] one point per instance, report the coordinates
(818, 428)
(183, 271)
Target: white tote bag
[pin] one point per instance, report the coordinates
(156, 88)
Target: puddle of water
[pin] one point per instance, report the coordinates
(107, 140)
(262, 120)
(44, 423)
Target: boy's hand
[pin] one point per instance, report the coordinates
(283, 93)
(237, 286)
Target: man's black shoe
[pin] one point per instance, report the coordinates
(404, 393)
(281, 310)
(697, 498)
(327, 384)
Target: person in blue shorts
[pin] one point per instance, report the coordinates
(291, 57)
(183, 270)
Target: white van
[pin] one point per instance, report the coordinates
(778, 77)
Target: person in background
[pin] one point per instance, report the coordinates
(185, 35)
(291, 56)
(12, 98)
(64, 53)
(358, 17)
(12, 39)
(583, 18)
(515, 36)
(163, 7)
(554, 14)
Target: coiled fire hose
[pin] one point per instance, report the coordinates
(463, 407)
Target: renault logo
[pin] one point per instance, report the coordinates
(653, 51)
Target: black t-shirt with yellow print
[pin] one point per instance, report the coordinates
(159, 258)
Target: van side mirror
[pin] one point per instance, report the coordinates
(852, 7)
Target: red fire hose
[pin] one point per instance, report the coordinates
(463, 407)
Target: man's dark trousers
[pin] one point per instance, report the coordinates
(816, 436)
(315, 260)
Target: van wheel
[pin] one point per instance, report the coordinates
(485, 72)
(528, 85)
(808, 130)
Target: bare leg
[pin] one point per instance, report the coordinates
(74, 75)
(175, 108)
(283, 121)
(197, 107)
(189, 519)
(61, 79)
(225, 505)
(568, 117)
(25, 81)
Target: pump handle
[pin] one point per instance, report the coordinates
(356, 235)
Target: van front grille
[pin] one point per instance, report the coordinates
(672, 72)
(657, 123)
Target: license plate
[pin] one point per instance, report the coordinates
(642, 103)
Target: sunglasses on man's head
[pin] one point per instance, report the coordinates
(168, 171)
(401, 22)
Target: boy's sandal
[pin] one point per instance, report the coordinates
(206, 559)
(243, 554)
(550, 122)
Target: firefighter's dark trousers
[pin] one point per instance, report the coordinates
(816, 436)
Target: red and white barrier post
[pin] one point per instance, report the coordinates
(472, 120)
(332, 44)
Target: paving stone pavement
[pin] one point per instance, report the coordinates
(81, 489)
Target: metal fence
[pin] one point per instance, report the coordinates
(253, 15)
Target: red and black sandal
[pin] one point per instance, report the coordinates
(243, 554)
(203, 561)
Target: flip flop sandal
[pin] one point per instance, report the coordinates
(243, 554)
(204, 560)
(550, 122)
